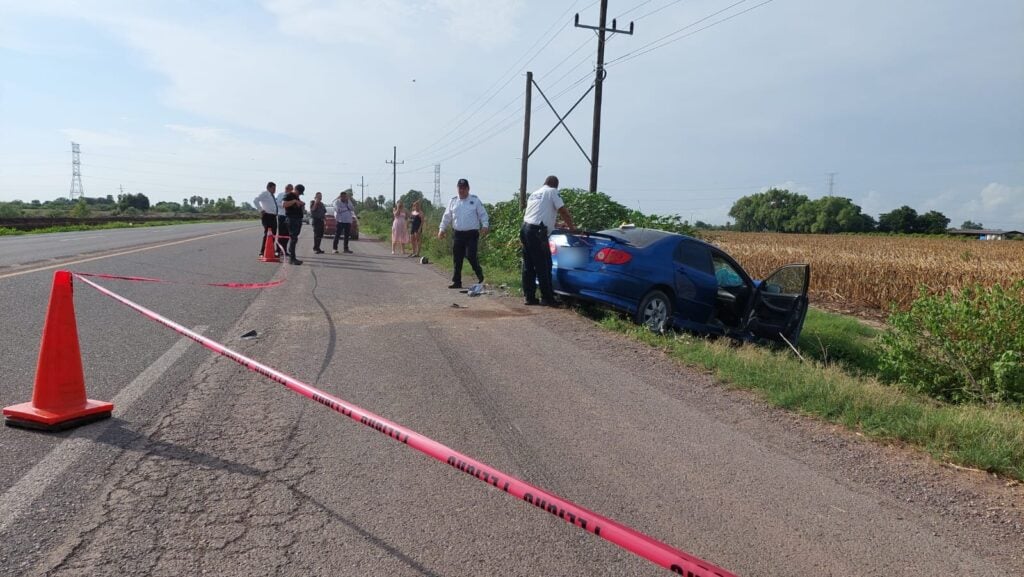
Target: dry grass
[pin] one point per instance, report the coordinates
(876, 271)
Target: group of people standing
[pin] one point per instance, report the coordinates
(282, 217)
(407, 228)
(465, 213)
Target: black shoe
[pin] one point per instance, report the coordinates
(455, 285)
(532, 302)
(294, 261)
(347, 251)
(552, 304)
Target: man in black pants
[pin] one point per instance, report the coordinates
(468, 217)
(539, 218)
(293, 209)
(267, 205)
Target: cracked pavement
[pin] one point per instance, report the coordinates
(232, 474)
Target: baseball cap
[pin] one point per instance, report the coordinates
(463, 182)
(299, 189)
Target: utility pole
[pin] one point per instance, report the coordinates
(394, 174)
(76, 173)
(437, 185)
(523, 170)
(599, 83)
(362, 190)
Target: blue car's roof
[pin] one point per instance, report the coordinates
(641, 237)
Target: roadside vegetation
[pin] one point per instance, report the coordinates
(944, 374)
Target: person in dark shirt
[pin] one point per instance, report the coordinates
(318, 212)
(293, 210)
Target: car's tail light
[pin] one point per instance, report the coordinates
(612, 256)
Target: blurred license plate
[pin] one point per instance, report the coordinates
(572, 256)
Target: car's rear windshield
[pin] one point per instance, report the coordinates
(638, 237)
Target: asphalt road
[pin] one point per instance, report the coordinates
(209, 468)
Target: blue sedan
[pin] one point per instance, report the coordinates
(662, 280)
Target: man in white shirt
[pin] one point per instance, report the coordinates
(542, 209)
(468, 217)
(267, 205)
(344, 214)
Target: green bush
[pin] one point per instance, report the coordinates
(8, 210)
(959, 348)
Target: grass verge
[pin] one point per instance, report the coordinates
(987, 438)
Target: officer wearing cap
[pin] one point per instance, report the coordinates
(542, 209)
(468, 217)
(293, 207)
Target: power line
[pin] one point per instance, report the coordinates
(644, 3)
(493, 129)
(644, 49)
(220, 167)
(514, 73)
(656, 10)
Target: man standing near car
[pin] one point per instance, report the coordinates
(542, 209)
(468, 217)
(293, 207)
(344, 214)
(267, 204)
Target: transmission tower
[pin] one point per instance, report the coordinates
(437, 185)
(76, 173)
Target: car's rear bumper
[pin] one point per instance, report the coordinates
(602, 287)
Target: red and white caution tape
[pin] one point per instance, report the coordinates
(633, 541)
(233, 285)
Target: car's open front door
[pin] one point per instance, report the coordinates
(780, 304)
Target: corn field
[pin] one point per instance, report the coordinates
(877, 271)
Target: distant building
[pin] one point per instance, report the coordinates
(986, 234)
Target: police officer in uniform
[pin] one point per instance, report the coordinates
(294, 209)
(538, 220)
(468, 217)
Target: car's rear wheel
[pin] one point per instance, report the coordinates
(655, 311)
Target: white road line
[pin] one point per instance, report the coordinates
(16, 500)
(124, 252)
(78, 238)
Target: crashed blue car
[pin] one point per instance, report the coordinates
(664, 280)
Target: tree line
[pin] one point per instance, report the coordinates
(779, 210)
(124, 204)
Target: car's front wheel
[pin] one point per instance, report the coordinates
(655, 311)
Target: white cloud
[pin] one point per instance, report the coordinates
(201, 134)
(395, 24)
(485, 23)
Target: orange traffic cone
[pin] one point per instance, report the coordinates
(269, 246)
(58, 400)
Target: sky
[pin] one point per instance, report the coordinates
(914, 102)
